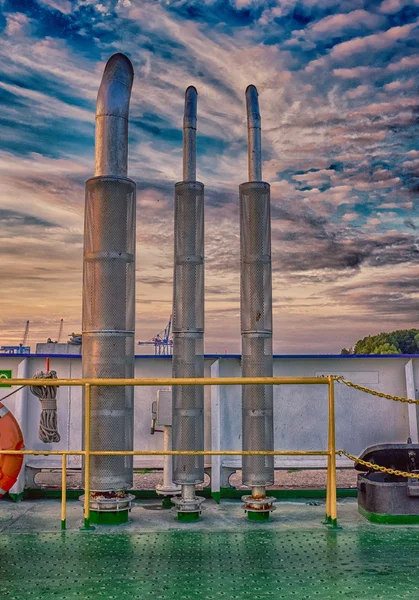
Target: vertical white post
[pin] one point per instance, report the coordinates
(411, 408)
(21, 415)
(168, 460)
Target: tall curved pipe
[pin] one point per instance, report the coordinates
(112, 108)
(256, 320)
(109, 293)
(188, 320)
(189, 134)
(254, 134)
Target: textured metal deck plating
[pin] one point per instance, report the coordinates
(302, 563)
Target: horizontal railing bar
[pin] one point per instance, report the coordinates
(44, 452)
(171, 452)
(214, 453)
(172, 381)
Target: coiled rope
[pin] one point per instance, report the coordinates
(48, 424)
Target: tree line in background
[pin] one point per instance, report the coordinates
(403, 341)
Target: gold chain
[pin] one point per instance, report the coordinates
(378, 467)
(340, 379)
(365, 463)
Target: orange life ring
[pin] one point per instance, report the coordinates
(11, 438)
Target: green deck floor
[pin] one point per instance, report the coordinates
(292, 557)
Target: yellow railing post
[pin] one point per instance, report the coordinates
(63, 491)
(87, 455)
(331, 508)
(328, 478)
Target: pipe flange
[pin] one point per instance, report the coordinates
(105, 504)
(257, 505)
(188, 505)
(168, 490)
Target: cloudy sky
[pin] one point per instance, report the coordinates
(338, 85)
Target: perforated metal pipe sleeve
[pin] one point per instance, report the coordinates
(108, 324)
(256, 328)
(188, 328)
(188, 408)
(255, 258)
(188, 281)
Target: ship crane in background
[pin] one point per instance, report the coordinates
(25, 334)
(162, 342)
(60, 331)
(22, 348)
(60, 334)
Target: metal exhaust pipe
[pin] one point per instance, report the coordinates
(256, 320)
(189, 134)
(109, 294)
(254, 134)
(188, 321)
(112, 110)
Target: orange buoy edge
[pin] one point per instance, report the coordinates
(11, 438)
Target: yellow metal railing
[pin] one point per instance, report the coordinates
(331, 509)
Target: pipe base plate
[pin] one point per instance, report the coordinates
(258, 509)
(188, 506)
(101, 505)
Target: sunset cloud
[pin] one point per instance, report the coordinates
(337, 86)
